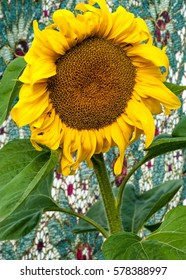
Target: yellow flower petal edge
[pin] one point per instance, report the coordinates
(93, 80)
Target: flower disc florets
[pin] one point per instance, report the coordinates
(93, 84)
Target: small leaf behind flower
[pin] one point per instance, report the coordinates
(28, 214)
(168, 242)
(180, 128)
(10, 86)
(138, 208)
(97, 214)
(22, 168)
(176, 89)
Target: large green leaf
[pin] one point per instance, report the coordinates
(166, 243)
(10, 86)
(28, 214)
(138, 208)
(176, 89)
(22, 168)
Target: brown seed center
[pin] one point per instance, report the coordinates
(93, 84)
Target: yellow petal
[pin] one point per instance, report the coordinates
(121, 19)
(91, 20)
(105, 24)
(143, 31)
(142, 118)
(67, 143)
(99, 142)
(36, 51)
(85, 149)
(35, 145)
(125, 128)
(65, 165)
(153, 105)
(106, 142)
(24, 112)
(90, 151)
(148, 73)
(45, 120)
(31, 93)
(159, 92)
(118, 139)
(50, 138)
(70, 27)
(56, 41)
(86, 7)
(150, 53)
(38, 123)
(25, 76)
(136, 134)
(54, 134)
(123, 22)
(107, 137)
(93, 141)
(42, 69)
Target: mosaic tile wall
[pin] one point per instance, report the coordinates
(53, 239)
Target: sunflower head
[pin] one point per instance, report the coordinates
(93, 80)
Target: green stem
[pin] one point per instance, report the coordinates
(112, 213)
(122, 186)
(85, 218)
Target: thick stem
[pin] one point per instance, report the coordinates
(113, 213)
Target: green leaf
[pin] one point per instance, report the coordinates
(162, 136)
(22, 168)
(10, 86)
(164, 145)
(166, 243)
(97, 214)
(176, 89)
(180, 128)
(138, 208)
(28, 214)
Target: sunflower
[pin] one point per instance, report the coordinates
(93, 80)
